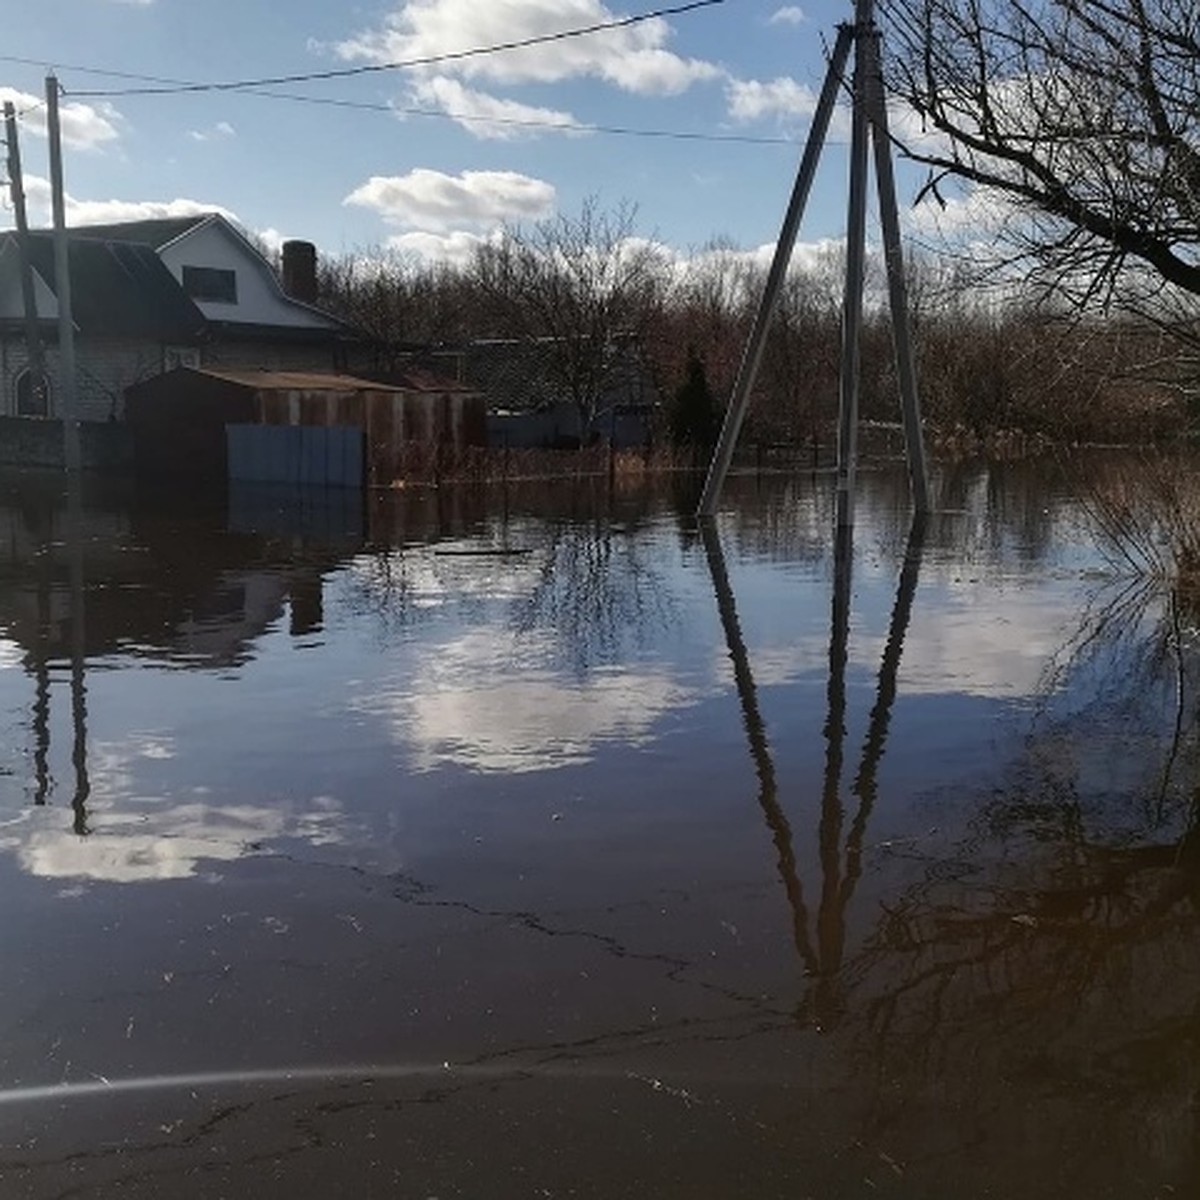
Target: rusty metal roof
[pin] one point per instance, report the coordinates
(294, 381)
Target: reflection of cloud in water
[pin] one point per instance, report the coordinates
(986, 641)
(150, 842)
(977, 640)
(453, 572)
(135, 838)
(483, 704)
(11, 655)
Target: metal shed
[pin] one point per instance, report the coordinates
(179, 420)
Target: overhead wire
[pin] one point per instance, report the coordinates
(466, 118)
(182, 86)
(165, 85)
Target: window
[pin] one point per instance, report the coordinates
(210, 283)
(33, 395)
(180, 356)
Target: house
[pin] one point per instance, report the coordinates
(526, 404)
(181, 423)
(148, 296)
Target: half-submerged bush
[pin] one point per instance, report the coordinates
(1146, 511)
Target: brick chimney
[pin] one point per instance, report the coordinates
(300, 271)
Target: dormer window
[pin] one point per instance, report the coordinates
(210, 283)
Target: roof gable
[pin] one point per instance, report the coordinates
(120, 288)
(155, 232)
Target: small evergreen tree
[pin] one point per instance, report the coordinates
(695, 414)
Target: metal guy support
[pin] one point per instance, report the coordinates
(869, 125)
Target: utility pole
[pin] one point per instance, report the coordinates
(869, 128)
(68, 406)
(33, 341)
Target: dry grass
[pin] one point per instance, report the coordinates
(422, 464)
(1146, 510)
(954, 443)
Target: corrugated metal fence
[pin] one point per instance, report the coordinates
(320, 455)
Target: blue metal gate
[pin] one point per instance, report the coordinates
(320, 455)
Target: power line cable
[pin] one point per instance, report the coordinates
(42, 65)
(183, 86)
(682, 135)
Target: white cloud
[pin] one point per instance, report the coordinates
(100, 212)
(489, 116)
(220, 131)
(456, 247)
(83, 126)
(752, 99)
(272, 239)
(431, 200)
(788, 15)
(633, 58)
(979, 212)
(736, 265)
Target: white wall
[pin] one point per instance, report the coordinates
(260, 301)
(107, 366)
(12, 302)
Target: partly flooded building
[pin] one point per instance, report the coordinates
(148, 296)
(246, 424)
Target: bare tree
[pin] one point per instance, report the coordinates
(1083, 114)
(583, 290)
(404, 304)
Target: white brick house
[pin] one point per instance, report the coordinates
(148, 296)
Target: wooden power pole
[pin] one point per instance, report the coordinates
(67, 383)
(33, 341)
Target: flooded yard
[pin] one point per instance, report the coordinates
(535, 842)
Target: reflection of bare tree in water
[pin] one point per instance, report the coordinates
(1027, 1009)
(823, 956)
(599, 590)
(1036, 986)
(1041, 973)
(592, 584)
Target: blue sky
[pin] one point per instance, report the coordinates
(356, 178)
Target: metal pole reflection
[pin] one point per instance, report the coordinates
(825, 962)
(866, 781)
(78, 649)
(760, 751)
(831, 917)
(41, 695)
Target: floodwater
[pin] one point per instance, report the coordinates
(536, 843)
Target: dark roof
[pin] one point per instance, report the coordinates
(156, 232)
(120, 288)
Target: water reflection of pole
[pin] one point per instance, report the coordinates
(78, 634)
(831, 917)
(41, 695)
(768, 798)
(825, 961)
(866, 782)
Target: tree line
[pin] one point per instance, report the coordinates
(598, 302)
(1076, 320)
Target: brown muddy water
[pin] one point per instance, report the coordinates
(530, 843)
